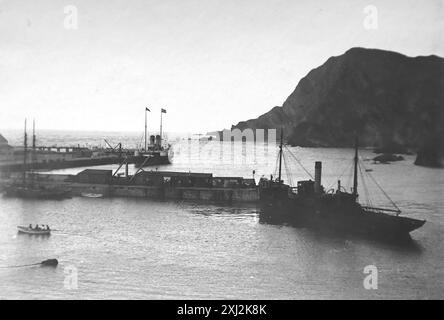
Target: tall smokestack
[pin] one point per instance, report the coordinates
(318, 173)
(158, 140)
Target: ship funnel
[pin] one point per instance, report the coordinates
(152, 140)
(318, 172)
(158, 140)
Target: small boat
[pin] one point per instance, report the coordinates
(91, 195)
(28, 230)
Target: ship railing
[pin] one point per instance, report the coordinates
(381, 210)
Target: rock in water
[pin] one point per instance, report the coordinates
(387, 157)
(431, 155)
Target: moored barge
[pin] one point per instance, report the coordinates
(148, 184)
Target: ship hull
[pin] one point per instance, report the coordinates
(345, 219)
(154, 160)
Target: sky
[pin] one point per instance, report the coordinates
(209, 63)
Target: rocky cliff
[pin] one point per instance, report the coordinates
(386, 97)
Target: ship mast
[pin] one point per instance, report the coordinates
(33, 154)
(160, 132)
(280, 155)
(146, 109)
(33, 142)
(33, 134)
(355, 175)
(25, 150)
(161, 111)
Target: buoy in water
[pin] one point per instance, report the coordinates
(50, 263)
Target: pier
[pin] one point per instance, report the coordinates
(58, 157)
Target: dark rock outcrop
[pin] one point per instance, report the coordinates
(388, 98)
(431, 154)
(387, 158)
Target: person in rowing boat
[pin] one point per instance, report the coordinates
(37, 227)
(47, 227)
(30, 226)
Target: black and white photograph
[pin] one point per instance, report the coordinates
(222, 150)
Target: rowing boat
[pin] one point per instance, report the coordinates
(27, 230)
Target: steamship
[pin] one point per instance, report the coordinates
(155, 152)
(309, 204)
